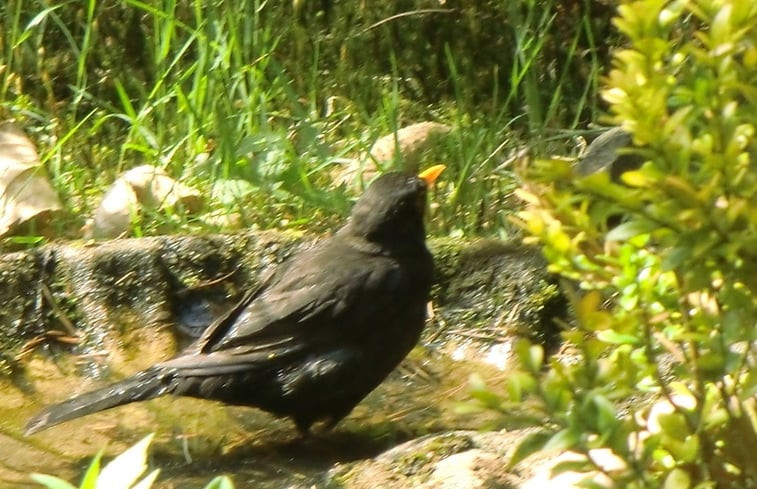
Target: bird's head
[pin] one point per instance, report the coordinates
(392, 208)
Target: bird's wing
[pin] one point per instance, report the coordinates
(220, 325)
(295, 313)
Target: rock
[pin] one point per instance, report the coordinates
(489, 293)
(106, 290)
(408, 144)
(143, 186)
(113, 216)
(404, 150)
(488, 289)
(26, 195)
(458, 459)
(472, 469)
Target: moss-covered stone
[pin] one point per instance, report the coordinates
(110, 288)
(496, 285)
(82, 299)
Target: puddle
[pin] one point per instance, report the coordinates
(196, 440)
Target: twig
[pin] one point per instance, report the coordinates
(406, 14)
(67, 324)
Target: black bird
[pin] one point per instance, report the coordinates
(322, 331)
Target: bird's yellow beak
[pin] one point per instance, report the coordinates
(430, 174)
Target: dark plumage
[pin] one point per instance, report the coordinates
(320, 333)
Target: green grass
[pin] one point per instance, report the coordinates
(232, 98)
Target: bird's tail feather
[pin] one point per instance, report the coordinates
(145, 385)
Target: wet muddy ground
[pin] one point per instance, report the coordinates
(197, 440)
(486, 294)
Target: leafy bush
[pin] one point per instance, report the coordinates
(668, 297)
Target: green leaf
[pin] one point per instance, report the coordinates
(588, 305)
(562, 440)
(635, 178)
(531, 444)
(26, 240)
(589, 483)
(676, 257)
(630, 229)
(519, 383)
(39, 18)
(488, 398)
(220, 482)
(530, 356)
(480, 392)
(89, 481)
(148, 481)
(579, 466)
(606, 413)
(468, 408)
(711, 364)
(613, 337)
(677, 479)
(535, 357)
(514, 389)
(51, 482)
(123, 471)
(674, 425)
